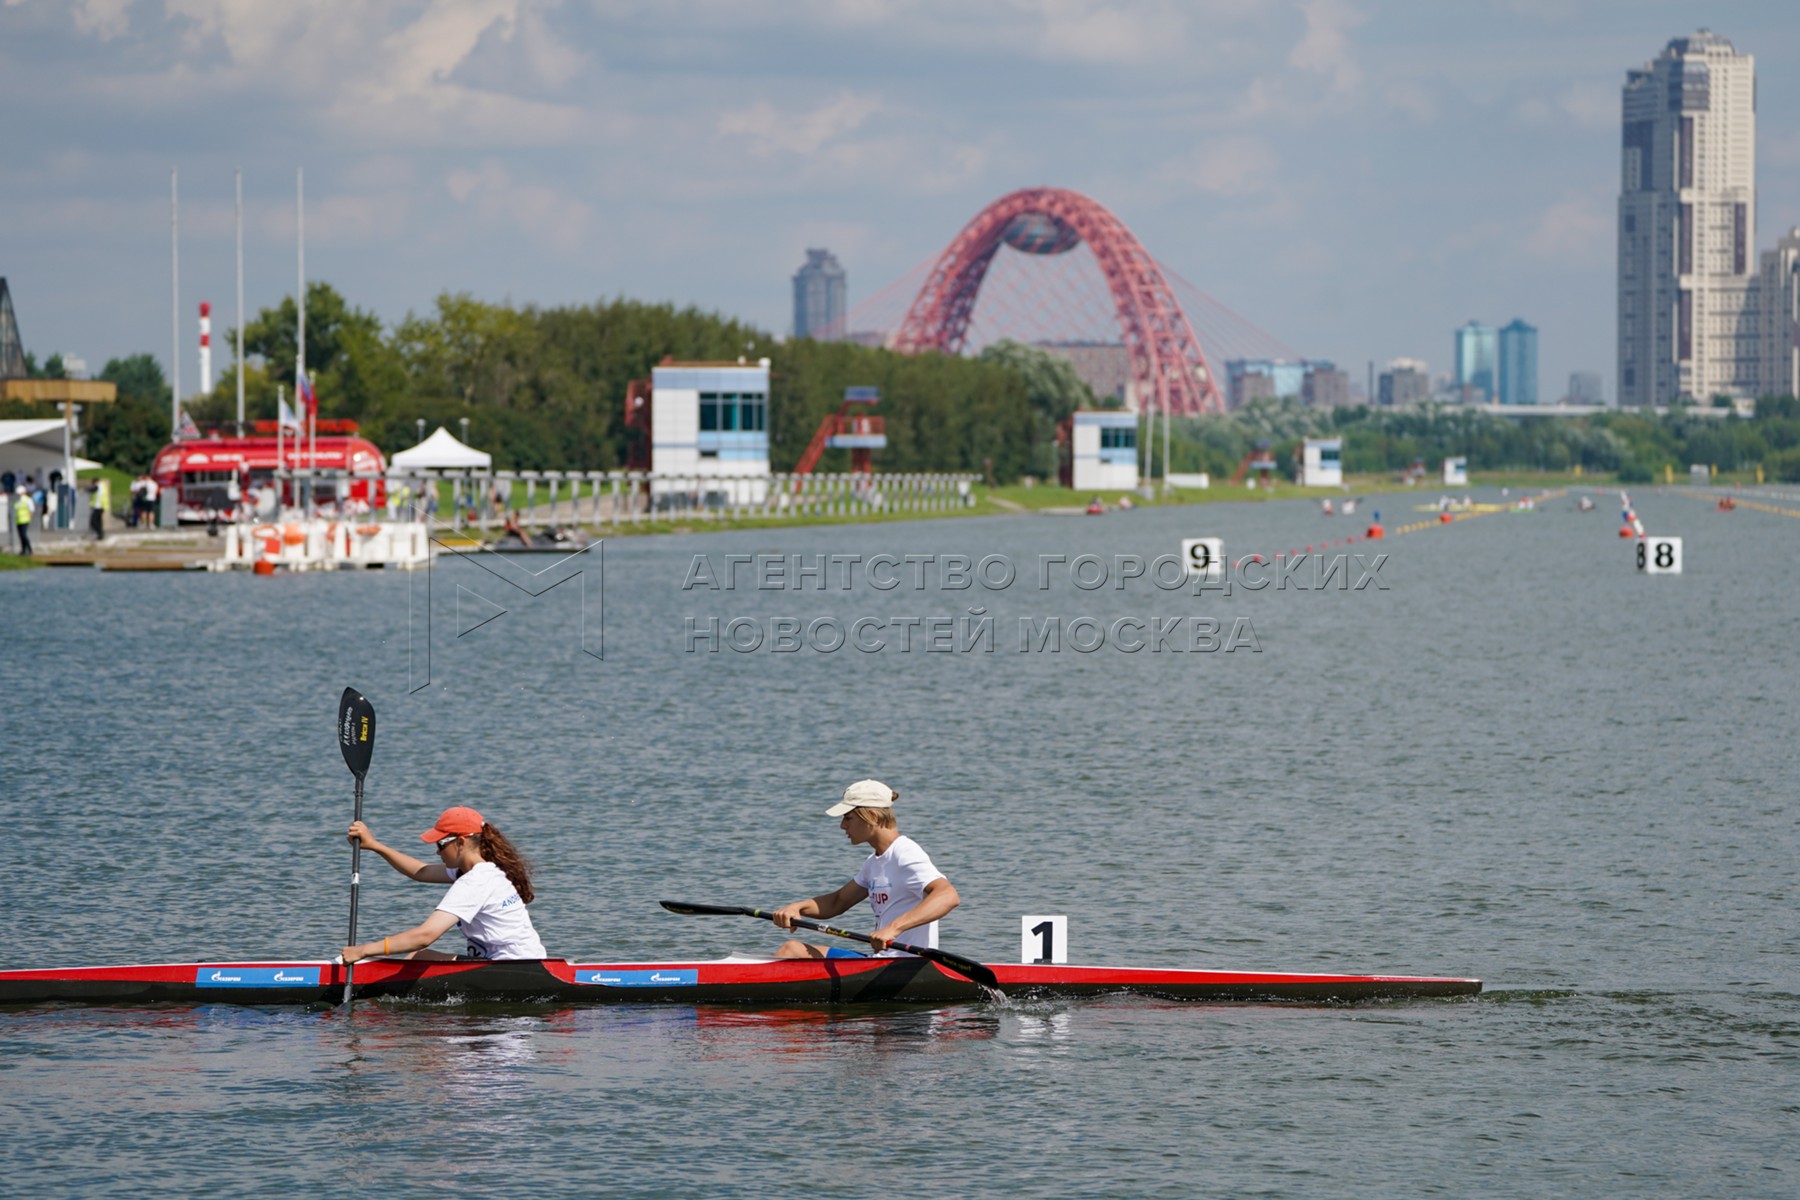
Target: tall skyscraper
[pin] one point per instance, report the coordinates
(1518, 363)
(820, 296)
(1477, 362)
(1687, 221)
(1779, 311)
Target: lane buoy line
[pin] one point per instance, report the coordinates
(1712, 498)
(1480, 510)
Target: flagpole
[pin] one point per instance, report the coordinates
(174, 308)
(240, 299)
(300, 307)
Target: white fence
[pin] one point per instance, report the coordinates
(633, 497)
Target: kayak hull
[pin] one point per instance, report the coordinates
(726, 981)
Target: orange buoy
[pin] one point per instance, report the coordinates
(1625, 531)
(1445, 518)
(1374, 532)
(263, 566)
(292, 535)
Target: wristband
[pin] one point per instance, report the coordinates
(384, 947)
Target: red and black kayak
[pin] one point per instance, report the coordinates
(739, 981)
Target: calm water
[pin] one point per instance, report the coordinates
(1514, 757)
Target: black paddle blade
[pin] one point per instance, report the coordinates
(706, 910)
(356, 731)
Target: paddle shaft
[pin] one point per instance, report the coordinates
(355, 889)
(966, 967)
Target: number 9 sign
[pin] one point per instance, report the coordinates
(1204, 557)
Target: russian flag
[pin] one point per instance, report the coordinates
(309, 404)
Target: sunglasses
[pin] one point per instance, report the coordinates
(447, 841)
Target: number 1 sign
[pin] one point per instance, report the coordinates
(1043, 939)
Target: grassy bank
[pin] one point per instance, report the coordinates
(16, 562)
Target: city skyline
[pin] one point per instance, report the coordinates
(1354, 178)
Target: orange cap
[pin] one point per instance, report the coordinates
(454, 822)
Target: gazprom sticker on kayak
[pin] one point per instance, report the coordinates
(661, 978)
(263, 977)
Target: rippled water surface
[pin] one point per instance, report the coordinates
(1507, 755)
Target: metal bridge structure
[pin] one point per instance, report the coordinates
(1168, 366)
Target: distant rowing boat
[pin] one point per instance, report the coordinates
(742, 981)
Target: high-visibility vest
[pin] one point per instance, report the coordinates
(22, 511)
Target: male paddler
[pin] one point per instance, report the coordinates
(907, 893)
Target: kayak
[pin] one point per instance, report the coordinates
(734, 980)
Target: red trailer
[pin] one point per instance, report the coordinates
(203, 472)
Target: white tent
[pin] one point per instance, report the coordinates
(36, 448)
(440, 450)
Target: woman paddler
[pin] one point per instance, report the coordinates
(908, 894)
(490, 885)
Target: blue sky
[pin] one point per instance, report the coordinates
(1357, 177)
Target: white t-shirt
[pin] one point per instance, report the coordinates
(896, 883)
(493, 918)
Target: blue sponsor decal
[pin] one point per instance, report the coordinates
(661, 978)
(261, 977)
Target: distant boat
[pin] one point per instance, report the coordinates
(1586, 504)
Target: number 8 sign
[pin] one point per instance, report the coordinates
(1659, 555)
(1204, 557)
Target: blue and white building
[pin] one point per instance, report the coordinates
(1518, 363)
(709, 423)
(1477, 362)
(1322, 462)
(1104, 451)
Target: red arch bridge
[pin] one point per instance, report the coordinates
(1168, 367)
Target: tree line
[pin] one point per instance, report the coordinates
(543, 388)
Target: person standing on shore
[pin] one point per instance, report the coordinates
(490, 885)
(23, 508)
(907, 892)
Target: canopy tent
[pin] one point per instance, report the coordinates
(440, 451)
(36, 448)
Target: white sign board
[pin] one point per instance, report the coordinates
(1659, 555)
(1204, 556)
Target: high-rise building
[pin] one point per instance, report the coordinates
(1405, 382)
(12, 348)
(1778, 311)
(820, 297)
(1477, 362)
(1687, 220)
(1518, 363)
(1325, 386)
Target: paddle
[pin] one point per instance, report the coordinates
(966, 967)
(356, 738)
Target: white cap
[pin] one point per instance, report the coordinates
(864, 793)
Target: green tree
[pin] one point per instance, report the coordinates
(127, 433)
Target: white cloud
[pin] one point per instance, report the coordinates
(106, 19)
(542, 213)
(1326, 49)
(768, 131)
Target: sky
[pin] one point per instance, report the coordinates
(1356, 177)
